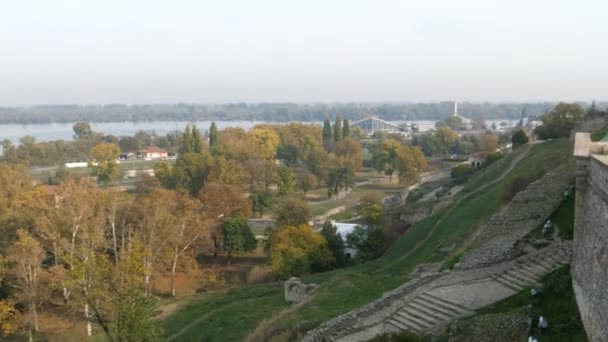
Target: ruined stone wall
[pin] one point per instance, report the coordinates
(590, 253)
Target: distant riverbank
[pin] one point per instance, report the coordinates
(63, 131)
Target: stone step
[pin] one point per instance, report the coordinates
(535, 268)
(399, 326)
(448, 305)
(431, 312)
(529, 270)
(547, 263)
(424, 325)
(433, 307)
(507, 284)
(418, 316)
(515, 280)
(517, 273)
(408, 323)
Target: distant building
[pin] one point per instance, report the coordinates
(153, 152)
(374, 124)
(466, 122)
(477, 159)
(345, 229)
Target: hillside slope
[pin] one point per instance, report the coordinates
(233, 314)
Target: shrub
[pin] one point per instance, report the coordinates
(461, 173)
(260, 274)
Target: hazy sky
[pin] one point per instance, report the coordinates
(128, 51)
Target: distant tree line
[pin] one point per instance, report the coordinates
(272, 112)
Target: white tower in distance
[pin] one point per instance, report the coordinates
(455, 108)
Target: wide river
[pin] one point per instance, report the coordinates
(63, 131)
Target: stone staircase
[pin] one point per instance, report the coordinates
(424, 312)
(527, 272)
(437, 299)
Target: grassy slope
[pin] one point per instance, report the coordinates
(346, 289)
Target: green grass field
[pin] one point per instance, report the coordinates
(345, 289)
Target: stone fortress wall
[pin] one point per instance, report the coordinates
(590, 249)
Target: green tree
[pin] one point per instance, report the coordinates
(519, 138)
(191, 168)
(238, 237)
(370, 242)
(260, 201)
(292, 211)
(288, 153)
(334, 242)
(286, 181)
(82, 130)
(213, 138)
(337, 130)
(106, 156)
(385, 157)
(346, 129)
(340, 179)
(560, 121)
(327, 134)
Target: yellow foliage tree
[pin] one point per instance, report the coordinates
(295, 251)
(106, 155)
(410, 164)
(263, 142)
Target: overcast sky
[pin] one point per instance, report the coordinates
(128, 51)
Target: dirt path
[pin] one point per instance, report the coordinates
(454, 205)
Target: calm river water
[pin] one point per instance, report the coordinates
(56, 131)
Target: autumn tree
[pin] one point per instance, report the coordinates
(350, 153)
(307, 181)
(299, 250)
(237, 236)
(263, 143)
(186, 227)
(33, 282)
(154, 216)
(488, 143)
(226, 171)
(106, 156)
(410, 164)
(221, 201)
